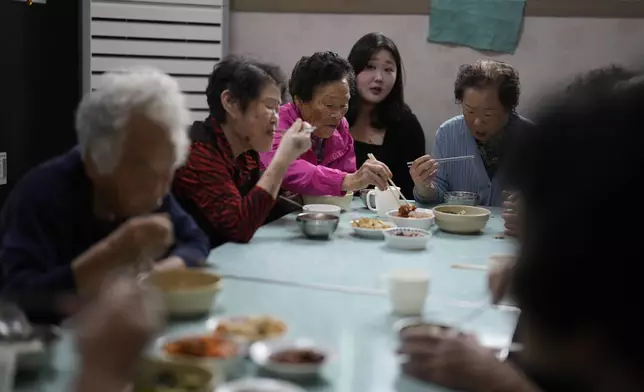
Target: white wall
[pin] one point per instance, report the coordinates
(550, 50)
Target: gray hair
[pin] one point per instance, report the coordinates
(102, 114)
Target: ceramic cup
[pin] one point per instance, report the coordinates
(7, 368)
(408, 290)
(385, 201)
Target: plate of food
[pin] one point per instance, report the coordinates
(409, 215)
(250, 328)
(157, 375)
(207, 349)
(370, 227)
(289, 358)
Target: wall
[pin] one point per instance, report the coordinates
(550, 50)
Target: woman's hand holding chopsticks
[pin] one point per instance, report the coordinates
(372, 172)
(424, 170)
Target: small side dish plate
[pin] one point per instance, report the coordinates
(406, 238)
(289, 358)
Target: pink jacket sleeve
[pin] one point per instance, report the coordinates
(346, 162)
(304, 176)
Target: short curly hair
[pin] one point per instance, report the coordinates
(485, 73)
(316, 70)
(244, 78)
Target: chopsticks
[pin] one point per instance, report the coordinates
(286, 199)
(315, 286)
(451, 159)
(473, 267)
(393, 186)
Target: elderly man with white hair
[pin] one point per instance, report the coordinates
(104, 204)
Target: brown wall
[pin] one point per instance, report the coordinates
(565, 8)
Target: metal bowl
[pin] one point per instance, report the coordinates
(317, 225)
(461, 198)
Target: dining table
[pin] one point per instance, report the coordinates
(334, 293)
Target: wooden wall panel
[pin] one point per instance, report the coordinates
(557, 8)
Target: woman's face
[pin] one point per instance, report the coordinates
(326, 109)
(378, 78)
(484, 114)
(258, 123)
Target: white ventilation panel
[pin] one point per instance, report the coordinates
(184, 38)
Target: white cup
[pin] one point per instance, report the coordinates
(408, 290)
(385, 200)
(7, 367)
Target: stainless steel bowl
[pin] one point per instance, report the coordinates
(317, 225)
(462, 198)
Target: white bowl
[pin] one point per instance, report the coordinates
(261, 352)
(371, 234)
(396, 241)
(186, 292)
(472, 221)
(416, 223)
(259, 385)
(344, 202)
(328, 209)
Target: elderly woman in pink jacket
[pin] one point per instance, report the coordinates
(321, 87)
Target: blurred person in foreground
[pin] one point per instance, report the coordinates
(112, 334)
(577, 285)
(104, 204)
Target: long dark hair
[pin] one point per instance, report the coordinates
(391, 108)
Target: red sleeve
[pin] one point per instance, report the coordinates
(207, 180)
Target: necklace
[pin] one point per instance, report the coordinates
(375, 137)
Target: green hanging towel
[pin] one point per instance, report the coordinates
(480, 24)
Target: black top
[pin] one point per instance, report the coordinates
(404, 142)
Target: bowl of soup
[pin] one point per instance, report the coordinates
(155, 375)
(461, 219)
(186, 292)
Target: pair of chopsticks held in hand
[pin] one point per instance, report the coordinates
(395, 191)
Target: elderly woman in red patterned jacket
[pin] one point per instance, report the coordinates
(221, 185)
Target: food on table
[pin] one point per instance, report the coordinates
(409, 234)
(420, 214)
(409, 211)
(298, 357)
(461, 212)
(203, 346)
(252, 328)
(370, 223)
(405, 209)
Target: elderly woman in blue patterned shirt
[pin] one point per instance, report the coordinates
(488, 92)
